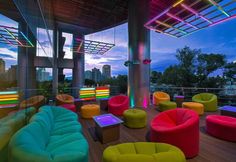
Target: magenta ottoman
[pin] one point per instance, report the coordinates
(223, 127)
(70, 107)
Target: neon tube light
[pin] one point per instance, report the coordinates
(165, 33)
(177, 3)
(224, 20)
(169, 26)
(158, 16)
(13, 36)
(181, 20)
(27, 39)
(8, 92)
(219, 7)
(6, 40)
(195, 12)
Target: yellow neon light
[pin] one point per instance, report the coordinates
(169, 26)
(9, 96)
(8, 99)
(177, 3)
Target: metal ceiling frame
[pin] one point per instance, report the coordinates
(11, 36)
(91, 47)
(194, 21)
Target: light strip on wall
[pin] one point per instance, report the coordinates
(219, 7)
(13, 36)
(8, 92)
(181, 20)
(195, 12)
(27, 39)
(169, 26)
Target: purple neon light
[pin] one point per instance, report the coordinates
(228, 108)
(181, 20)
(195, 12)
(107, 120)
(223, 20)
(158, 16)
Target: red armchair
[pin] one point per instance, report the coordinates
(223, 127)
(178, 127)
(118, 104)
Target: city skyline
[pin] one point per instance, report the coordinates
(218, 39)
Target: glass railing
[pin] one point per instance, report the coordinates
(13, 97)
(226, 96)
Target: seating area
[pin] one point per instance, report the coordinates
(160, 133)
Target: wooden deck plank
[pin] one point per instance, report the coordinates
(211, 149)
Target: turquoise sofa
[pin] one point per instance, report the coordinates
(53, 135)
(9, 125)
(209, 101)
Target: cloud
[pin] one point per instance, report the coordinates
(8, 54)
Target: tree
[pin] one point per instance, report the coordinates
(207, 64)
(155, 77)
(171, 76)
(230, 70)
(187, 66)
(89, 82)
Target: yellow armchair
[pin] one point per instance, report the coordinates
(62, 99)
(35, 101)
(159, 97)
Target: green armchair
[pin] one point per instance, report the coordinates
(209, 101)
(143, 152)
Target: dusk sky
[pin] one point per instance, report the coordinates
(217, 39)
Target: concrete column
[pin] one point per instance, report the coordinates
(26, 72)
(55, 55)
(139, 49)
(78, 70)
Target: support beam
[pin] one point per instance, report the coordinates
(78, 70)
(26, 76)
(139, 49)
(55, 55)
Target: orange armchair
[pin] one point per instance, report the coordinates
(35, 101)
(159, 97)
(62, 99)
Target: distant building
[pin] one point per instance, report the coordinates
(2, 66)
(96, 75)
(106, 71)
(11, 73)
(43, 75)
(88, 75)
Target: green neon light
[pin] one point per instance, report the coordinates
(219, 7)
(8, 92)
(8, 102)
(13, 36)
(86, 89)
(27, 39)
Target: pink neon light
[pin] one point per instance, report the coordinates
(158, 16)
(3, 26)
(223, 20)
(145, 103)
(195, 12)
(181, 20)
(6, 40)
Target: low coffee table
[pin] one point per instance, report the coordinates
(107, 127)
(228, 111)
(104, 103)
(179, 100)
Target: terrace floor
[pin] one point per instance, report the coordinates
(211, 149)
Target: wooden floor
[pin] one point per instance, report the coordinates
(211, 149)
